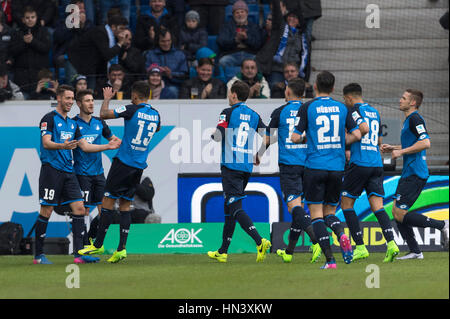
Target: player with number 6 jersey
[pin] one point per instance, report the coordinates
(236, 131)
(142, 121)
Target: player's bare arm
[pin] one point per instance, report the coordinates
(105, 112)
(417, 147)
(297, 138)
(50, 145)
(353, 137)
(114, 143)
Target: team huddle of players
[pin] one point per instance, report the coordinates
(311, 137)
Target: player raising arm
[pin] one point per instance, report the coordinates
(142, 121)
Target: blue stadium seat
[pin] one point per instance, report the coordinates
(231, 71)
(144, 9)
(266, 11)
(133, 18)
(212, 44)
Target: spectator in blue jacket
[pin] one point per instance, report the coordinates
(172, 62)
(239, 39)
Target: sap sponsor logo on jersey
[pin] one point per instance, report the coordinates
(66, 135)
(90, 138)
(182, 238)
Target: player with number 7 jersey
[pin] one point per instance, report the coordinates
(141, 122)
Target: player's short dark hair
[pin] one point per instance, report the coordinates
(117, 20)
(297, 86)
(142, 89)
(81, 94)
(352, 89)
(325, 82)
(416, 95)
(241, 89)
(63, 88)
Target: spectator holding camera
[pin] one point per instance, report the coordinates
(46, 86)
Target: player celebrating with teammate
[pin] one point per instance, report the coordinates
(58, 184)
(365, 172)
(325, 120)
(88, 166)
(142, 121)
(414, 142)
(236, 130)
(291, 161)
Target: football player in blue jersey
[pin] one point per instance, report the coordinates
(88, 166)
(291, 161)
(414, 143)
(58, 184)
(142, 121)
(365, 172)
(236, 131)
(325, 122)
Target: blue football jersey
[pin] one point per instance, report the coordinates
(414, 130)
(60, 130)
(366, 151)
(238, 124)
(90, 164)
(141, 122)
(285, 118)
(325, 120)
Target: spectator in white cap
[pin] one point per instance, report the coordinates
(192, 36)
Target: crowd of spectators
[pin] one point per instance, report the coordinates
(98, 43)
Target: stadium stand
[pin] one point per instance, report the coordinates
(410, 49)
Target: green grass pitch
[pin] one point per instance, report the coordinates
(180, 276)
